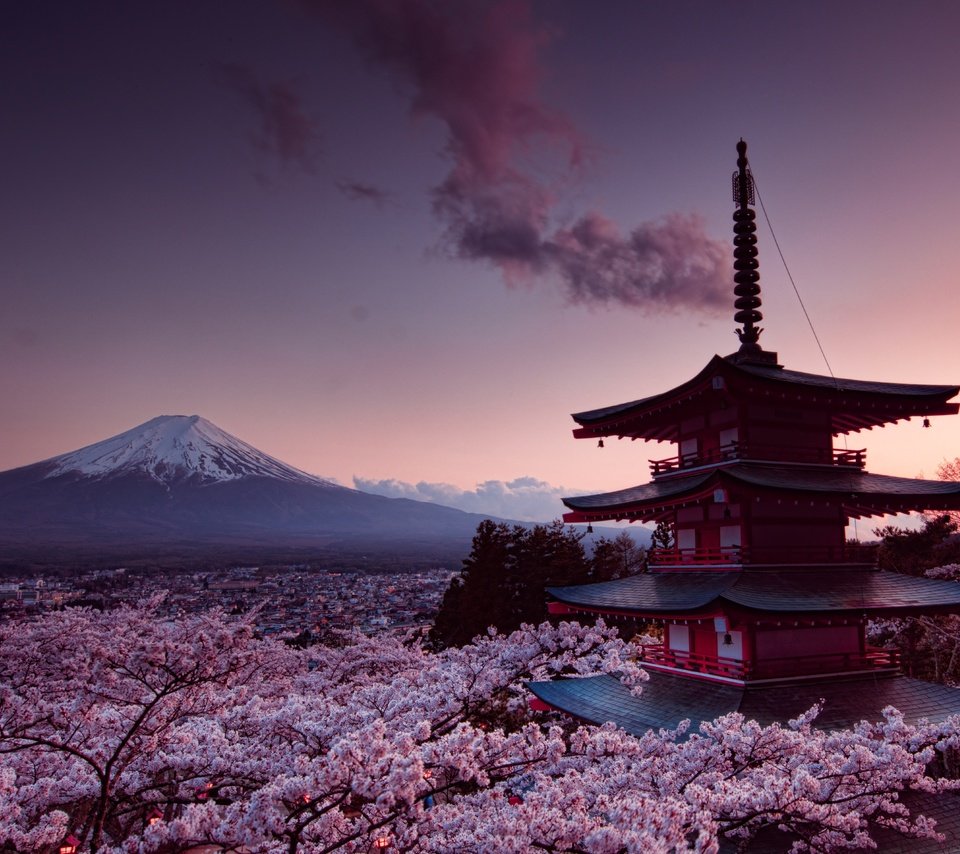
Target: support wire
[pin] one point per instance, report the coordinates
(806, 314)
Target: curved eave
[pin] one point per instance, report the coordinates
(809, 591)
(639, 502)
(855, 404)
(860, 493)
(874, 592)
(667, 699)
(650, 417)
(649, 593)
(844, 385)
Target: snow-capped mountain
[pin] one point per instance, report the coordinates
(172, 448)
(180, 485)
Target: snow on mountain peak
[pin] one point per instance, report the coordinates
(177, 447)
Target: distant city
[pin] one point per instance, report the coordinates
(289, 600)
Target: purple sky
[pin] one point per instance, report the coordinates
(399, 240)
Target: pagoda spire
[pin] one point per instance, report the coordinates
(745, 262)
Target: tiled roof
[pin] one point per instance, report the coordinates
(846, 590)
(842, 384)
(909, 392)
(844, 482)
(837, 479)
(665, 592)
(811, 590)
(666, 700)
(646, 493)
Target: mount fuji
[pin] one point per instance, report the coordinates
(174, 449)
(179, 485)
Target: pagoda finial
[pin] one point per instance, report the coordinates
(745, 257)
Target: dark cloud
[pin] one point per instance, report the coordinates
(665, 264)
(526, 499)
(476, 67)
(360, 192)
(286, 131)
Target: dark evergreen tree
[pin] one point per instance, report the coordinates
(543, 556)
(475, 598)
(616, 558)
(915, 551)
(503, 579)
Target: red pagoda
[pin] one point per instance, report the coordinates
(762, 602)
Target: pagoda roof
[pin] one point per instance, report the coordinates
(854, 404)
(781, 591)
(666, 700)
(861, 493)
(649, 592)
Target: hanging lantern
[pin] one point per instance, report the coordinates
(69, 845)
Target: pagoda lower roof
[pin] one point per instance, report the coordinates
(861, 492)
(854, 404)
(793, 591)
(666, 700)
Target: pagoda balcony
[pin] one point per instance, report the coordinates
(852, 553)
(656, 656)
(739, 452)
(697, 557)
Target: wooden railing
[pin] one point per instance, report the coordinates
(841, 662)
(787, 554)
(710, 665)
(737, 451)
(771, 668)
(696, 557)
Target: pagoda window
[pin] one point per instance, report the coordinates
(678, 637)
(687, 539)
(730, 536)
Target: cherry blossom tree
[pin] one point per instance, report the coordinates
(96, 710)
(929, 645)
(134, 732)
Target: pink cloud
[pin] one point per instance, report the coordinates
(476, 67)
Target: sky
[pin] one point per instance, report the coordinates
(397, 242)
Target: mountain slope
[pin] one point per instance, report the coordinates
(182, 482)
(171, 448)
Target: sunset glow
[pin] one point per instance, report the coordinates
(386, 242)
